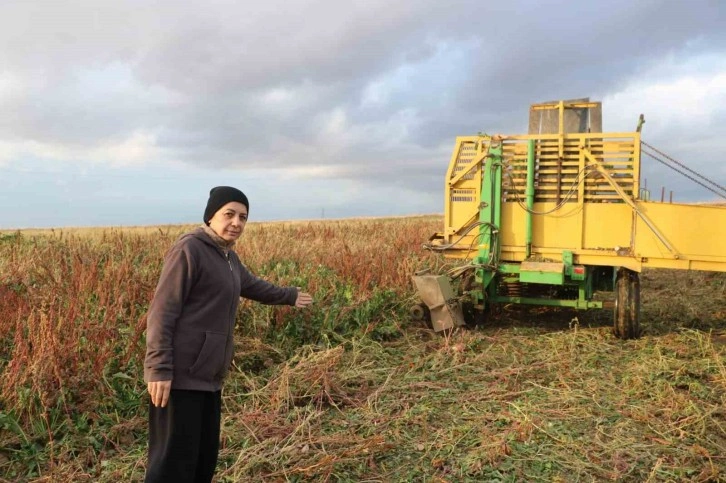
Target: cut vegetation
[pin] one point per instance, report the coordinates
(352, 390)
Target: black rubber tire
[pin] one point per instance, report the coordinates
(418, 312)
(421, 313)
(626, 313)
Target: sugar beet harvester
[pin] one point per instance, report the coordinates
(552, 217)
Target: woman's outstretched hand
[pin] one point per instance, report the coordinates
(303, 299)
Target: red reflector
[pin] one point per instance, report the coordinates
(578, 270)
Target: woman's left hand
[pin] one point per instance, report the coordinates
(303, 299)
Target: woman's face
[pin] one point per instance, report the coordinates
(229, 221)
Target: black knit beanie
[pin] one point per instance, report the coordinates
(220, 196)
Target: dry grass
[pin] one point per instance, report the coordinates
(351, 390)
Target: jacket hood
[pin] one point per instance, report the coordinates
(200, 235)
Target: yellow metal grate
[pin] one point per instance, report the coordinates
(572, 177)
(564, 171)
(467, 152)
(463, 195)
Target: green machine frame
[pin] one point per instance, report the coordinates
(490, 273)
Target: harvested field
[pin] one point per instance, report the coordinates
(351, 390)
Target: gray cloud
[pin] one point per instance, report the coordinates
(373, 90)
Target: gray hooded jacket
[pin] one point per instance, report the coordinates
(190, 322)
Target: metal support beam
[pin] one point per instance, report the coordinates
(530, 196)
(630, 203)
(490, 211)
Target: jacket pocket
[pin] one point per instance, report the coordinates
(211, 357)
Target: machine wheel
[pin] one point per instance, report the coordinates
(420, 313)
(626, 313)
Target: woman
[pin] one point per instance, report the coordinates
(189, 342)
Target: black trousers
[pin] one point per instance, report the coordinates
(184, 437)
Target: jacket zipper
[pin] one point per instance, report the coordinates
(230, 327)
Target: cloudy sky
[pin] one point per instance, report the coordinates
(126, 112)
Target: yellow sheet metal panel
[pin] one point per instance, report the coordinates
(512, 231)
(607, 226)
(588, 226)
(556, 231)
(694, 231)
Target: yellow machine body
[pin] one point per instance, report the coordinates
(586, 201)
(553, 216)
